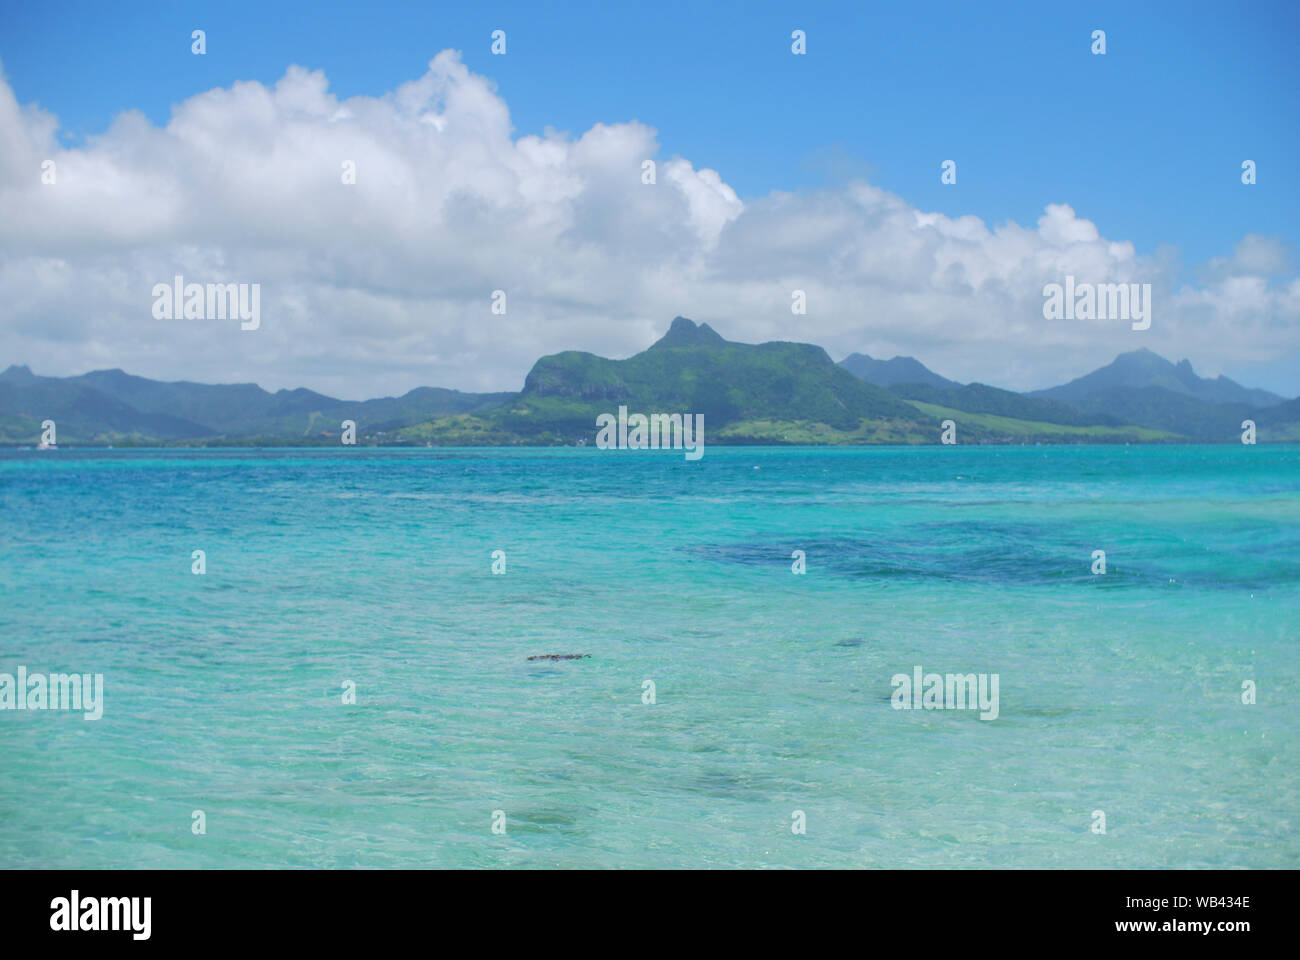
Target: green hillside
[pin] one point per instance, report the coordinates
(767, 393)
(746, 393)
(992, 428)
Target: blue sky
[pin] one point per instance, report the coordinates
(1064, 160)
(1146, 141)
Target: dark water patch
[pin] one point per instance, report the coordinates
(719, 783)
(542, 821)
(914, 559)
(106, 638)
(1006, 554)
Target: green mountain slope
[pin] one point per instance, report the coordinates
(694, 370)
(1137, 390)
(1175, 412)
(888, 373)
(1139, 369)
(778, 392)
(981, 398)
(113, 406)
(992, 428)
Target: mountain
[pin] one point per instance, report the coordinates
(888, 373)
(777, 392)
(1142, 368)
(113, 406)
(1145, 389)
(1177, 413)
(1280, 424)
(1139, 396)
(80, 412)
(981, 398)
(686, 333)
(770, 391)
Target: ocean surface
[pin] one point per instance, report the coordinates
(224, 692)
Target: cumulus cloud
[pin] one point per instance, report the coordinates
(379, 286)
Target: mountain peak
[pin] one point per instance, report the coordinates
(1143, 355)
(1152, 364)
(1186, 375)
(17, 371)
(1141, 369)
(687, 333)
(887, 373)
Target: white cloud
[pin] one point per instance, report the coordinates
(384, 285)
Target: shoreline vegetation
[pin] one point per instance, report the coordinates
(769, 394)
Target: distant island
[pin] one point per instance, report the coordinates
(767, 393)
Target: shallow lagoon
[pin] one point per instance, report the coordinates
(224, 692)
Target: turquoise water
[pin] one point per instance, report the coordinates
(1119, 693)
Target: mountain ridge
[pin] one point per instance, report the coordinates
(1144, 368)
(772, 392)
(890, 373)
